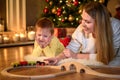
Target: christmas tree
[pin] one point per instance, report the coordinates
(65, 13)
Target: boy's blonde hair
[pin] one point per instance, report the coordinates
(45, 23)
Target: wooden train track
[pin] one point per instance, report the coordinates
(66, 68)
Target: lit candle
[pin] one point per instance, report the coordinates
(22, 37)
(1, 27)
(31, 35)
(16, 37)
(0, 38)
(6, 39)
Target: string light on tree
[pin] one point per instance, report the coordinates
(101, 1)
(51, 3)
(54, 20)
(60, 1)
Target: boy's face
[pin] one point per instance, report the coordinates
(43, 37)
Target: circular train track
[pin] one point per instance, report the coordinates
(53, 71)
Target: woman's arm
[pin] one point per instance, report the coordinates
(83, 56)
(67, 53)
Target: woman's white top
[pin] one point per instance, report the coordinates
(81, 43)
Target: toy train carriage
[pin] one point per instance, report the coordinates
(28, 63)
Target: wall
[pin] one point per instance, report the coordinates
(3, 10)
(34, 8)
(16, 15)
(111, 6)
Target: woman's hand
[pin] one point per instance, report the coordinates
(69, 54)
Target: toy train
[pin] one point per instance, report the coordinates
(28, 63)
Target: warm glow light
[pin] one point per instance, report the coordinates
(16, 55)
(0, 38)
(31, 35)
(16, 37)
(6, 39)
(1, 27)
(101, 1)
(22, 37)
(21, 53)
(5, 56)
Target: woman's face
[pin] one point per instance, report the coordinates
(87, 22)
(43, 37)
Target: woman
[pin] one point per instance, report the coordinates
(93, 38)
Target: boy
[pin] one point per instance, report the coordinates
(46, 44)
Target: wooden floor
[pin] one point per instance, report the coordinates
(12, 54)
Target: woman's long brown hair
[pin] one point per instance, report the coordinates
(102, 30)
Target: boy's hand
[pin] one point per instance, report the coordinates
(51, 61)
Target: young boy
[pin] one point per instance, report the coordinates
(46, 44)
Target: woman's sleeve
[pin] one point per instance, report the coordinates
(75, 42)
(116, 40)
(116, 32)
